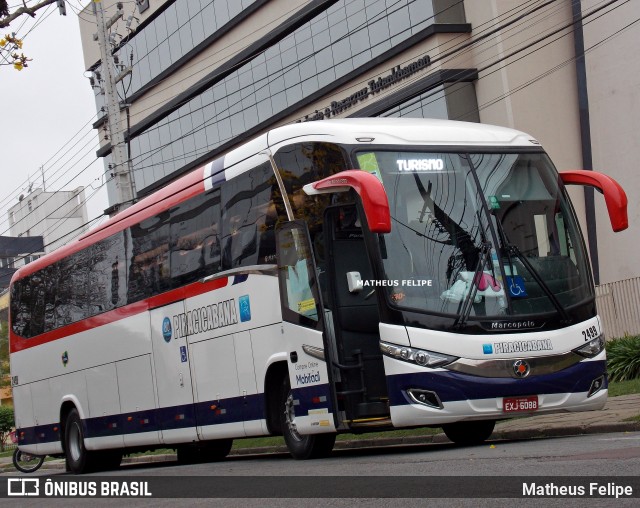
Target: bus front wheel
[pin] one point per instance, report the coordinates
(301, 447)
(469, 433)
(79, 459)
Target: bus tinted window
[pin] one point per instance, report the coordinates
(72, 289)
(149, 263)
(249, 217)
(304, 163)
(106, 275)
(195, 238)
(228, 227)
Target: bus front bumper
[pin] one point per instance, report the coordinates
(441, 396)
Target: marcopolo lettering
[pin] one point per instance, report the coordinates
(305, 379)
(205, 319)
(512, 325)
(522, 346)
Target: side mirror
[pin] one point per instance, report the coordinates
(614, 195)
(371, 191)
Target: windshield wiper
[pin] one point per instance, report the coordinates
(465, 308)
(512, 249)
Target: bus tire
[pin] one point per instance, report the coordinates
(469, 433)
(108, 460)
(79, 460)
(218, 449)
(312, 446)
(188, 454)
(208, 451)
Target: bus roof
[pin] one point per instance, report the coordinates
(413, 131)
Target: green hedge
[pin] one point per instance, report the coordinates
(623, 358)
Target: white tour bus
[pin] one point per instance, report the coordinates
(332, 276)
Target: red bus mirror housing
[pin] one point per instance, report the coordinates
(614, 195)
(369, 188)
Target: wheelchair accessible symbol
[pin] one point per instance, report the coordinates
(516, 286)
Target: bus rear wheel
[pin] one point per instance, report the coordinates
(79, 459)
(469, 433)
(301, 447)
(208, 451)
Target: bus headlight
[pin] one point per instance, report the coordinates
(592, 348)
(417, 356)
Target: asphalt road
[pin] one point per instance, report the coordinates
(613, 456)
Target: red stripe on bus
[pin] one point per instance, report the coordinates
(197, 288)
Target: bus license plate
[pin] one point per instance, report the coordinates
(517, 404)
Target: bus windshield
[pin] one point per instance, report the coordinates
(478, 234)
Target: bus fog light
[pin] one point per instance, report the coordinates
(596, 385)
(425, 397)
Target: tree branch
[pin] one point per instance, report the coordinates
(31, 11)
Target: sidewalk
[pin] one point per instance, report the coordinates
(617, 416)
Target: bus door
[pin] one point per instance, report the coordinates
(176, 413)
(305, 332)
(354, 304)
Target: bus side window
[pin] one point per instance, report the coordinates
(250, 211)
(73, 291)
(296, 281)
(303, 163)
(106, 274)
(148, 258)
(195, 241)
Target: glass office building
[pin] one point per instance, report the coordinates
(208, 75)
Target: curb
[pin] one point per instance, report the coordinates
(509, 434)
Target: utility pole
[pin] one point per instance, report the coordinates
(121, 169)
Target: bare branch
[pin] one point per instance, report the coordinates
(31, 11)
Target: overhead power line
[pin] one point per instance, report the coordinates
(450, 53)
(521, 49)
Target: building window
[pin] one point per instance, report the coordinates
(171, 35)
(347, 35)
(452, 101)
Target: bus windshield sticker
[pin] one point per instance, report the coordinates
(369, 163)
(494, 203)
(516, 285)
(307, 306)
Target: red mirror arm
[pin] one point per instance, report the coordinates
(614, 195)
(369, 188)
